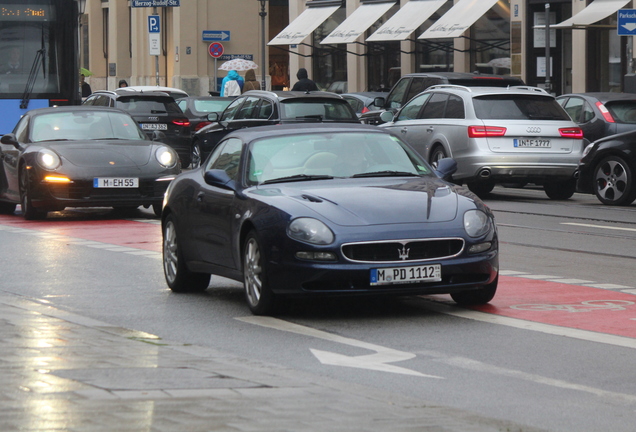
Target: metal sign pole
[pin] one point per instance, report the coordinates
(215, 71)
(154, 11)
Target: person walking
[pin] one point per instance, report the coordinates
(250, 81)
(230, 85)
(304, 83)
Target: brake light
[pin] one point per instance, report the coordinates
(182, 122)
(486, 131)
(574, 132)
(606, 114)
(365, 110)
(201, 125)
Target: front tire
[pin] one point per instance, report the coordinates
(28, 211)
(259, 296)
(476, 297)
(177, 275)
(437, 154)
(195, 157)
(614, 182)
(560, 190)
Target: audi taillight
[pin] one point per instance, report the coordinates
(201, 125)
(572, 132)
(606, 114)
(486, 131)
(181, 122)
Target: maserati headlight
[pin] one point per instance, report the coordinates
(48, 159)
(166, 157)
(310, 230)
(476, 223)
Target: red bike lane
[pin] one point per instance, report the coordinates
(547, 302)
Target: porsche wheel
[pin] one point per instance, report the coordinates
(28, 211)
(614, 182)
(476, 297)
(178, 277)
(560, 190)
(259, 296)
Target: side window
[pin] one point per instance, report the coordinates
(248, 109)
(417, 86)
(396, 96)
(435, 106)
(265, 110)
(454, 108)
(412, 109)
(21, 129)
(355, 103)
(574, 107)
(227, 157)
(90, 100)
(588, 113)
(232, 109)
(183, 105)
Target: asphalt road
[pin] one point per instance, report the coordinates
(555, 349)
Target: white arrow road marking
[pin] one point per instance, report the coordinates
(375, 361)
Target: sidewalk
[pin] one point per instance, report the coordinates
(63, 372)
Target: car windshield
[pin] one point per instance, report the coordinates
(518, 107)
(317, 110)
(327, 155)
(623, 111)
(148, 105)
(84, 125)
(208, 106)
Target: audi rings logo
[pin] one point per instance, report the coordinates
(157, 119)
(533, 130)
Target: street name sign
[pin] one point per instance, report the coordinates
(155, 3)
(215, 36)
(626, 25)
(237, 56)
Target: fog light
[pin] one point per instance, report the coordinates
(57, 179)
(316, 256)
(481, 247)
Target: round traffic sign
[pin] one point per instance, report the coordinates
(216, 49)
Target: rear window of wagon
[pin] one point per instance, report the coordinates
(518, 107)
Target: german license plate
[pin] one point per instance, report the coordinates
(115, 182)
(154, 126)
(400, 275)
(532, 142)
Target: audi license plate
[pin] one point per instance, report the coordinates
(115, 182)
(532, 142)
(401, 275)
(154, 126)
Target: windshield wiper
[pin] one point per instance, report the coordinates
(299, 177)
(386, 174)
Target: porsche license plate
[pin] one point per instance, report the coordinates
(154, 126)
(532, 142)
(115, 182)
(401, 275)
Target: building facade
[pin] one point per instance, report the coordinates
(358, 45)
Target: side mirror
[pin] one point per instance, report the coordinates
(213, 117)
(386, 116)
(379, 101)
(219, 178)
(10, 139)
(446, 168)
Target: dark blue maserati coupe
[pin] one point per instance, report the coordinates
(326, 210)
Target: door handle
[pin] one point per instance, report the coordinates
(200, 196)
(404, 130)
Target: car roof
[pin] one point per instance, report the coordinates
(478, 91)
(462, 76)
(124, 92)
(603, 96)
(249, 134)
(74, 108)
(283, 95)
(170, 90)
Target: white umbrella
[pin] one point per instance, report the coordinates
(238, 65)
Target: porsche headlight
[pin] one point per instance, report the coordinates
(166, 157)
(476, 223)
(48, 159)
(310, 230)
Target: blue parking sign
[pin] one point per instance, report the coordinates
(626, 25)
(153, 24)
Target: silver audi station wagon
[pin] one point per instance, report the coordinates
(515, 135)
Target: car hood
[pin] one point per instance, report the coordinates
(375, 202)
(105, 153)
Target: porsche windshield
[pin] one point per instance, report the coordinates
(84, 125)
(323, 156)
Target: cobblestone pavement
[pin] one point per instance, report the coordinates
(60, 371)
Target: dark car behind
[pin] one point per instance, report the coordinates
(412, 84)
(601, 114)
(153, 111)
(262, 108)
(197, 109)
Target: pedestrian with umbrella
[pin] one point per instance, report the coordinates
(230, 85)
(250, 81)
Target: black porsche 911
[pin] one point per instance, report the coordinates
(326, 210)
(82, 157)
